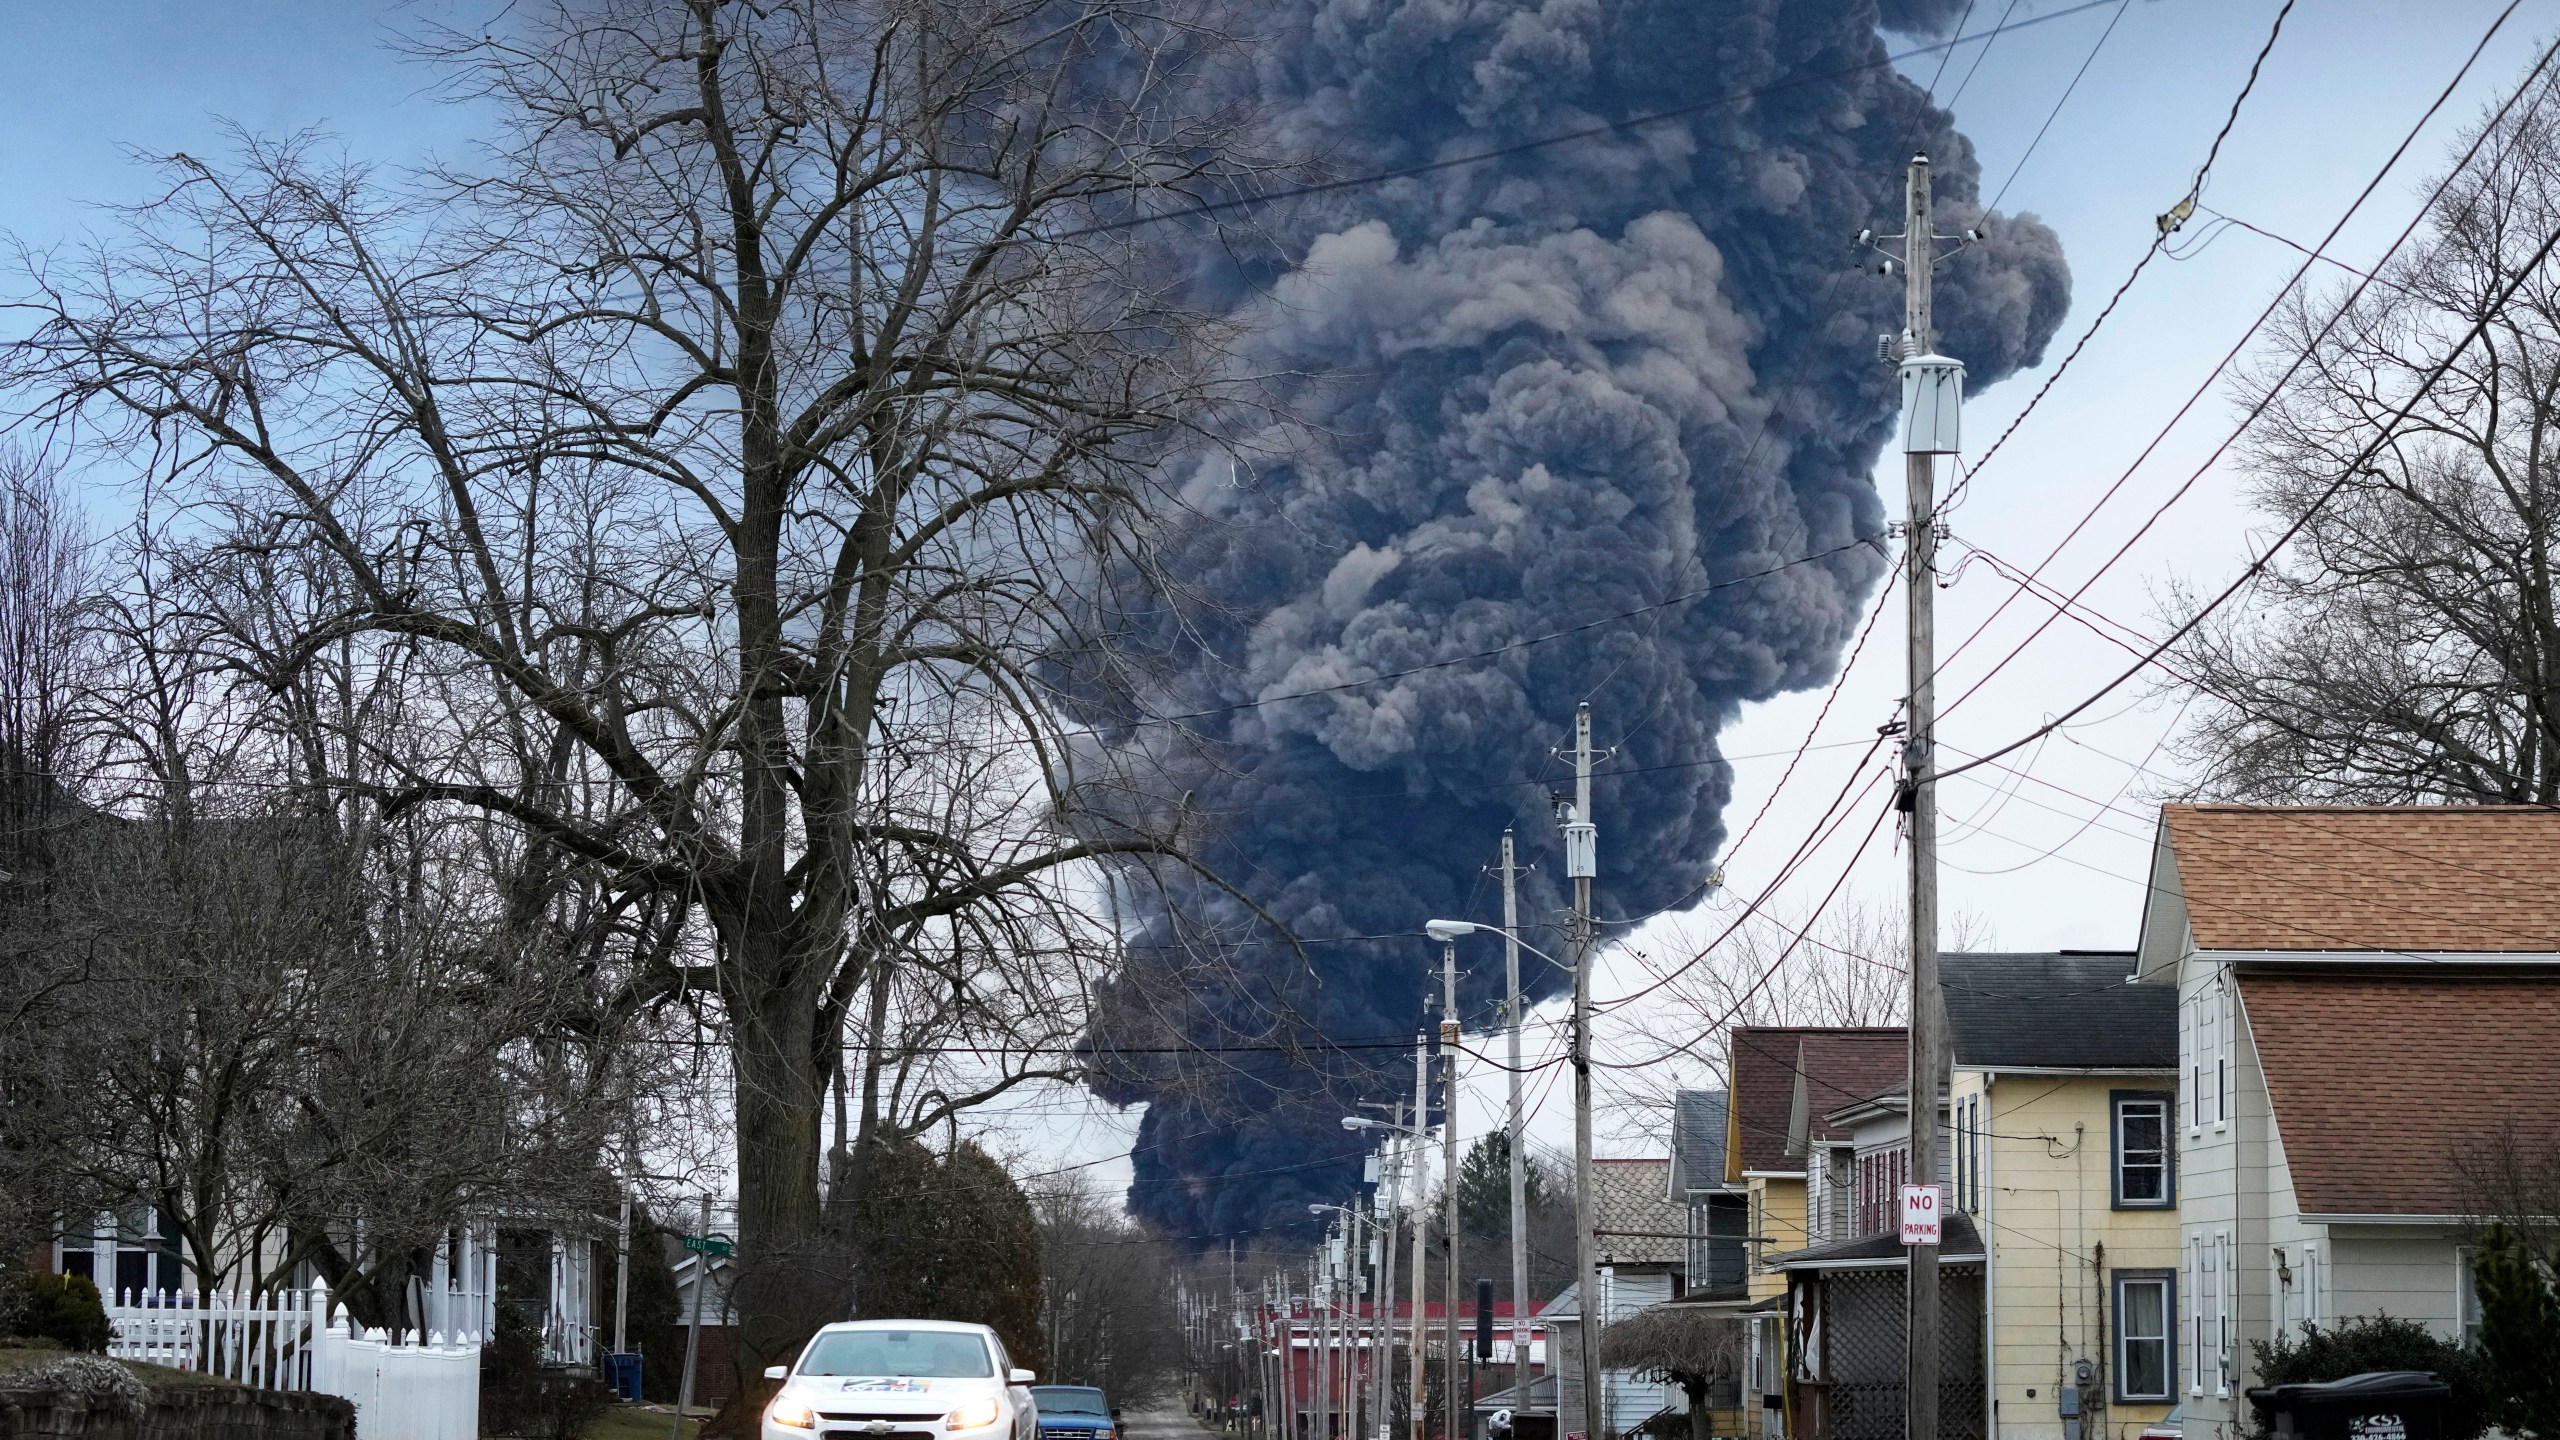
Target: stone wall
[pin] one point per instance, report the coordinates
(178, 1412)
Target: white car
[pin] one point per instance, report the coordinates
(901, 1380)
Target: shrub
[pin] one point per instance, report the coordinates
(66, 1309)
(518, 1397)
(2379, 1342)
(2519, 1335)
(108, 1385)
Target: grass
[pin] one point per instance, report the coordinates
(638, 1422)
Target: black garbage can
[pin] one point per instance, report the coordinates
(2377, 1405)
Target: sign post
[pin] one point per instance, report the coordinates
(1920, 1206)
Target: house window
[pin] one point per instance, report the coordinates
(2226, 1028)
(2142, 1158)
(2466, 1297)
(2146, 1352)
(2224, 1283)
(2199, 1351)
(2310, 1284)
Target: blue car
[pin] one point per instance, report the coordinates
(1074, 1412)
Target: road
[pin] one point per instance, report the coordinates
(1166, 1422)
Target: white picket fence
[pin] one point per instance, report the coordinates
(408, 1385)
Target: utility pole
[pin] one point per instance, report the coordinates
(1382, 1376)
(1932, 393)
(623, 1274)
(1518, 1140)
(1421, 1189)
(1581, 852)
(1449, 1184)
(693, 1332)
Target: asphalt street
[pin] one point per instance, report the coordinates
(1169, 1422)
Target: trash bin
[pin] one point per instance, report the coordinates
(2377, 1405)
(622, 1374)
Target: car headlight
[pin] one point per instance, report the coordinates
(795, 1413)
(976, 1414)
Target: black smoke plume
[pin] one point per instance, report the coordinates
(1547, 388)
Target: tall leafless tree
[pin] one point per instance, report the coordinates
(2406, 646)
(778, 383)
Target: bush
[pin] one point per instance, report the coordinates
(66, 1309)
(2379, 1342)
(2519, 1335)
(518, 1397)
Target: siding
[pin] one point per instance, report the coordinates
(2054, 1241)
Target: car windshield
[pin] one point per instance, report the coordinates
(936, 1354)
(1068, 1400)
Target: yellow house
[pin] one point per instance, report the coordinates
(2060, 1111)
(1785, 1081)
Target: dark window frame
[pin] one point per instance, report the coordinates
(2167, 1279)
(2168, 1101)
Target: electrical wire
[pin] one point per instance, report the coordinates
(2212, 153)
(2238, 346)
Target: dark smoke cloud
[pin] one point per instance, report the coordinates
(1558, 386)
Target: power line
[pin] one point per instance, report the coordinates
(2232, 354)
(2149, 253)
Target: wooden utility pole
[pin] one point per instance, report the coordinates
(1421, 1208)
(1581, 854)
(1517, 1141)
(1932, 392)
(1449, 1183)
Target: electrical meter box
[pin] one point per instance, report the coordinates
(1932, 405)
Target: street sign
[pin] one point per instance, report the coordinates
(1920, 1214)
(708, 1244)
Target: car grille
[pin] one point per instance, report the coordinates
(865, 1417)
(1063, 1432)
(847, 1426)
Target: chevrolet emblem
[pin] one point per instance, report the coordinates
(877, 1427)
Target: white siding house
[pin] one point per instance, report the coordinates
(2363, 993)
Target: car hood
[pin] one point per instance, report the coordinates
(888, 1394)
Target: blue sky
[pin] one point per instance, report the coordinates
(2054, 859)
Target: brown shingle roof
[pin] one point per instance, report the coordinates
(2378, 1081)
(2397, 878)
(1632, 1210)
(1838, 1064)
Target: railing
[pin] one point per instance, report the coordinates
(406, 1385)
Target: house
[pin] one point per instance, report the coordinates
(1783, 1080)
(547, 1276)
(1642, 1240)
(2364, 994)
(1719, 1209)
(2058, 1152)
(1847, 1294)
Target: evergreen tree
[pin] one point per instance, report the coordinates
(2519, 1335)
(1484, 1186)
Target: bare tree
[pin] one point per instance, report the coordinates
(772, 386)
(2406, 646)
(1846, 965)
(1108, 1297)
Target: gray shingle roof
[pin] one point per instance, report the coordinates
(1697, 1140)
(2071, 1010)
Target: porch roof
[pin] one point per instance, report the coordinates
(1963, 1245)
